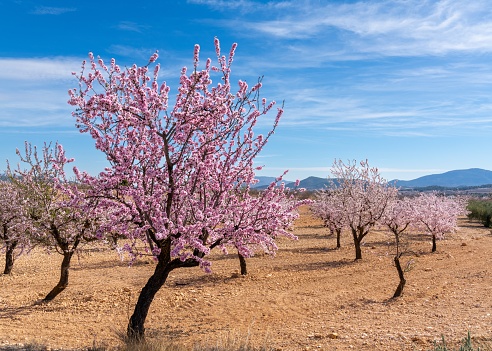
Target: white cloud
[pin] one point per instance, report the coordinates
(135, 53)
(132, 26)
(383, 28)
(243, 5)
(33, 92)
(38, 69)
(46, 10)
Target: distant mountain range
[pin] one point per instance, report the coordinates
(310, 183)
(453, 179)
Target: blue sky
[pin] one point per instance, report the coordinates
(406, 84)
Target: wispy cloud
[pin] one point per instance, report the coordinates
(385, 28)
(135, 53)
(417, 115)
(242, 5)
(36, 69)
(34, 91)
(132, 26)
(46, 10)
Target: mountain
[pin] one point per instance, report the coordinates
(310, 183)
(451, 179)
(314, 183)
(264, 182)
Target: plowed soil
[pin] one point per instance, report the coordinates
(309, 296)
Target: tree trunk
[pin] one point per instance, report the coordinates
(9, 256)
(357, 240)
(242, 263)
(434, 247)
(401, 285)
(339, 232)
(63, 283)
(136, 328)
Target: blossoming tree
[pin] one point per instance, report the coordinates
(60, 215)
(272, 211)
(328, 207)
(174, 168)
(438, 214)
(364, 196)
(14, 224)
(399, 217)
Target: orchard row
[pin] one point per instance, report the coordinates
(179, 177)
(359, 199)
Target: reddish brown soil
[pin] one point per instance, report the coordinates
(310, 296)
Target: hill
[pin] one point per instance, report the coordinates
(314, 183)
(473, 177)
(451, 179)
(264, 182)
(310, 183)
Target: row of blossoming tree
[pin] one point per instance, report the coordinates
(178, 179)
(360, 199)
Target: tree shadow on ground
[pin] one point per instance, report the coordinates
(313, 266)
(14, 313)
(308, 250)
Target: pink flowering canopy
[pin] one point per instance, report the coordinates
(15, 226)
(364, 196)
(328, 206)
(180, 171)
(438, 214)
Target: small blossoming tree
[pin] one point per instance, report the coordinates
(15, 227)
(363, 195)
(271, 211)
(179, 171)
(328, 207)
(438, 214)
(60, 215)
(400, 217)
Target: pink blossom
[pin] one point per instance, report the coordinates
(154, 56)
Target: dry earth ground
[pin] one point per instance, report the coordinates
(309, 296)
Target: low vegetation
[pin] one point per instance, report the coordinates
(231, 343)
(466, 345)
(481, 210)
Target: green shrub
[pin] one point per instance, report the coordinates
(480, 210)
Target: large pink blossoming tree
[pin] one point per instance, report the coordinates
(174, 168)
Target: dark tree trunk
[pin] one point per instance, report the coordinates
(434, 247)
(63, 283)
(339, 232)
(136, 324)
(401, 285)
(358, 250)
(357, 241)
(9, 256)
(242, 264)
